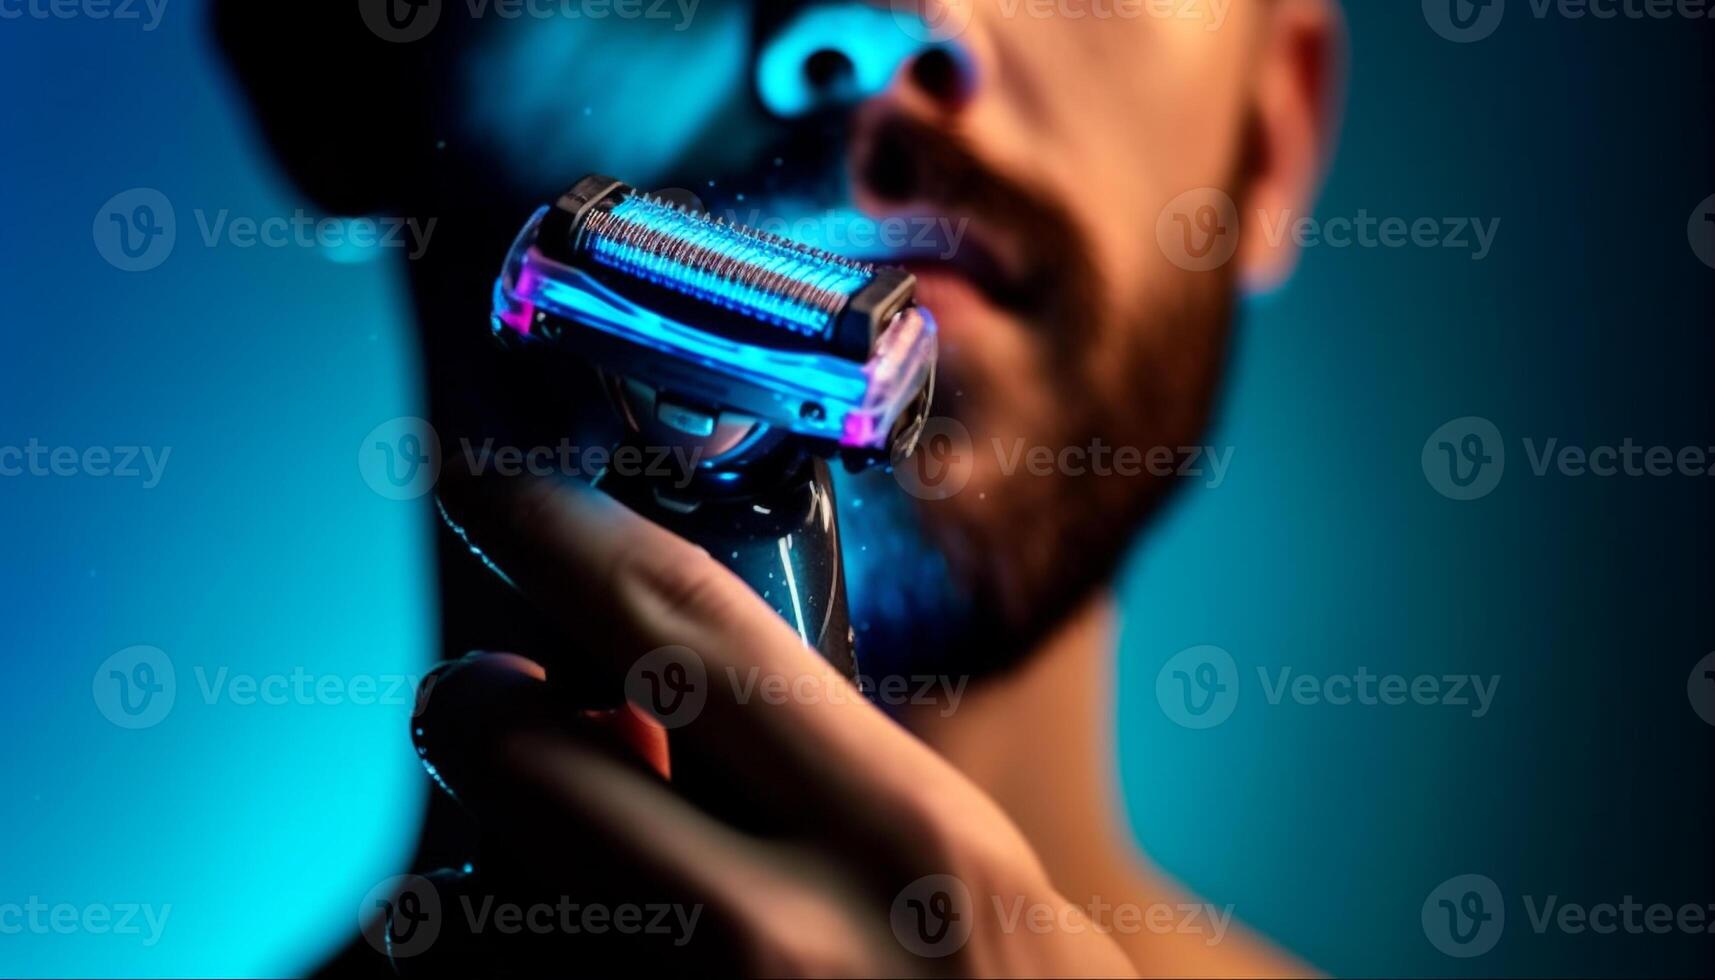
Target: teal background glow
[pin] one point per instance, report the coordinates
(263, 552)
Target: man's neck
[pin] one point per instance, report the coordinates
(1040, 742)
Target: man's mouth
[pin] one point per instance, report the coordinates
(976, 263)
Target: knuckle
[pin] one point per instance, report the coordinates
(950, 834)
(789, 933)
(937, 837)
(683, 578)
(532, 505)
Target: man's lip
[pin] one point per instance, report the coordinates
(972, 261)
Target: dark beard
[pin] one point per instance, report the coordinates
(916, 615)
(969, 590)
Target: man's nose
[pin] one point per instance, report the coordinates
(834, 55)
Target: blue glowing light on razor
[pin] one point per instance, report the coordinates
(743, 270)
(574, 295)
(820, 394)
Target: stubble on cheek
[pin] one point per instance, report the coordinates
(1035, 528)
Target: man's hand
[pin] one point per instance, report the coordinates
(808, 834)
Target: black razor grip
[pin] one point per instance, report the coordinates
(784, 543)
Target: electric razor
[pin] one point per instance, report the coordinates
(755, 359)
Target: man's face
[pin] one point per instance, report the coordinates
(1018, 156)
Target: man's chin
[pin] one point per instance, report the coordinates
(930, 578)
(966, 576)
(908, 610)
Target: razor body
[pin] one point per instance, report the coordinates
(755, 358)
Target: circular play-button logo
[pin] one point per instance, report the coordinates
(135, 231)
(1701, 231)
(1464, 458)
(135, 687)
(1199, 230)
(932, 916)
(1464, 916)
(401, 916)
(1198, 688)
(1464, 21)
(400, 21)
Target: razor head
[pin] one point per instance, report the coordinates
(722, 326)
(744, 279)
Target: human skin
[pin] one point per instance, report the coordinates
(1011, 793)
(1062, 140)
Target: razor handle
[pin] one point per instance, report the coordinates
(783, 540)
(755, 358)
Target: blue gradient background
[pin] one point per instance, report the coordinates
(263, 551)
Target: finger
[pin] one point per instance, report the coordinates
(552, 792)
(595, 565)
(625, 587)
(467, 706)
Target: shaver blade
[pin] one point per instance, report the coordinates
(723, 316)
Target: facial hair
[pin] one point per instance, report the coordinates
(969, 587)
